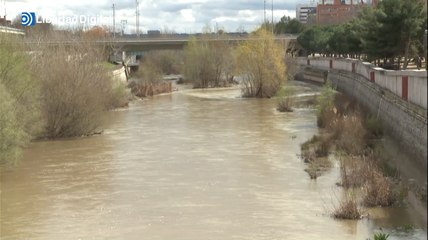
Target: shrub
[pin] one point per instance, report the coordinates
(208, 63)
(76, 88)
(12, 134)
(374, 127)
(351, 134)
(19, 99)
(285, 99)
(378, 190)
(261, 65)
(348, 208)
(380, 236)
(168, 61)
(354, 171)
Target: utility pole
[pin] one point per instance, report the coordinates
(4, 5)
(272, 17)
(264, 12)
(137, 18)
(114, 21)
(123, 25)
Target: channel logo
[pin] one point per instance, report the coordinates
(28, 19)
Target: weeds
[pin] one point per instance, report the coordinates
(348, 208)
(381, 236)
(378, 190)
(285, 99)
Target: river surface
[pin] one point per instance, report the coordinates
(189, 165)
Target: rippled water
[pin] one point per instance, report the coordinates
(191, 165)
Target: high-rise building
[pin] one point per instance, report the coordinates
(340, 11)
(303, 11)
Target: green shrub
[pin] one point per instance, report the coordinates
(325, 105)
(381, 236)
(285, 99)
(374, 127)
(20, 99)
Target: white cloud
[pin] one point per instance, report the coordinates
(179, 15)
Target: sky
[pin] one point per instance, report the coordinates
(180, 16)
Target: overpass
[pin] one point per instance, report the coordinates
(174, 43)
(127, 49)
(9, 30)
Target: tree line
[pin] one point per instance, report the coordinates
(392, 33)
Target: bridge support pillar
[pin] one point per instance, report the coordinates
(123, 55)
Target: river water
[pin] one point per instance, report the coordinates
(194, 164)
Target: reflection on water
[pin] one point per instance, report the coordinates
(190, 165)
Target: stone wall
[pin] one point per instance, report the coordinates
(404, 121)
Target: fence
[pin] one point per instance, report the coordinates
(410, 85)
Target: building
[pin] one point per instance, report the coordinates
(340, 11)
(5, 22)
(303, 11)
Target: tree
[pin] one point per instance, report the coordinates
(287, 25)
(208, 62)
(316, 39)
(96, 32)
(393, 29)
(261, 64)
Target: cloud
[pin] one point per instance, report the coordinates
(179, 15)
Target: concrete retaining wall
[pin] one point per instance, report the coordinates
(409, 85)
(404, 121)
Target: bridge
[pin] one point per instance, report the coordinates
(131, 48)
(127, 49)
(174, 43)
(9, 30)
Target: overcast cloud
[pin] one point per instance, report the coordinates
(181, 16)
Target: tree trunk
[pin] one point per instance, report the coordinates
(406, 53)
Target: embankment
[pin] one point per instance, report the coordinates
(403, 119)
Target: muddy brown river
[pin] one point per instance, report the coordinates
(190, 165)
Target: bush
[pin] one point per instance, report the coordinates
(355, 171)
(19, 99)
(76, 89)
(350, 134)
(348, 209)
(261, 65)
(285, 99)
(325, 106)
(374, 127)
(208, 63)
(12, 134)
(378, 190)
(381, 236)
(167, 61)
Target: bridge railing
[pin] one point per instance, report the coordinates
(410, 85)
